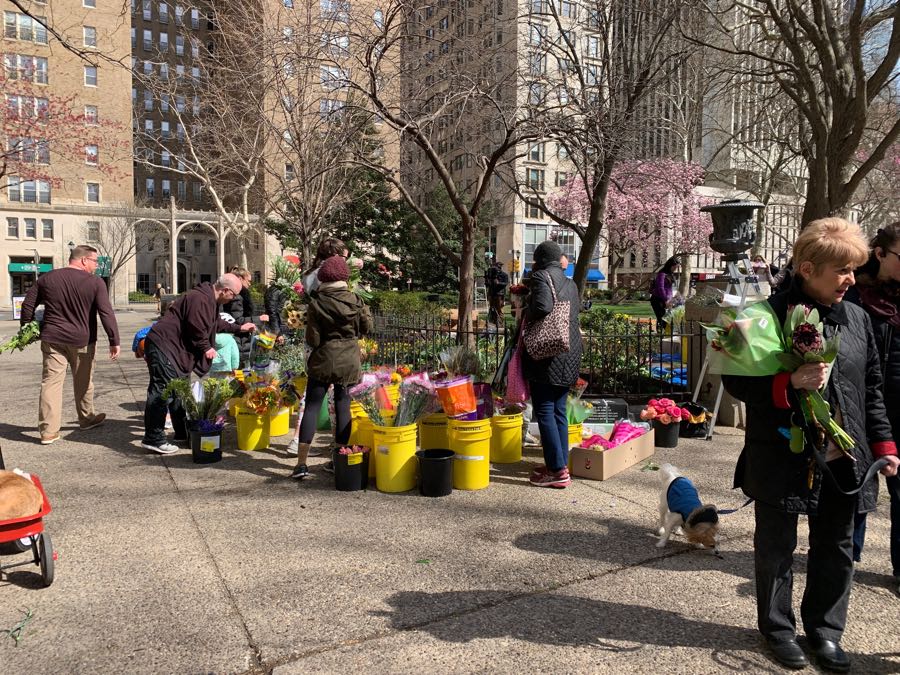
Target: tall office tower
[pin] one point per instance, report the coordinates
(66, 137)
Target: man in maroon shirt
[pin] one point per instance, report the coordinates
(72, 296)
(179, 343)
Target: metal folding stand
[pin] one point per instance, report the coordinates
(738, 284)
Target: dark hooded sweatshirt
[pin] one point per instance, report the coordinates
(336, 319)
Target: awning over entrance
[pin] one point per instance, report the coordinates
(593, 274)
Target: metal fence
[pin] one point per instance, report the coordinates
(625, 358)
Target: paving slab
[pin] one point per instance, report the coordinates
(169, 566)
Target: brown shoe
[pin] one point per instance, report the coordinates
(93, 421)
(47, 439)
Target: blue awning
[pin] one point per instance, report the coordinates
(593, 275)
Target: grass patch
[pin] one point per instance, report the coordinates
(640, 308)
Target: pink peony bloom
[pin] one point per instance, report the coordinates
(653, 402)
(674, 412)
(664, 419)
(686, 414)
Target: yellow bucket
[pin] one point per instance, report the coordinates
(252, 430)
(574, 435)
(506, 438)
(471, 441)
(362, 428)
(280, 422)
(357, 417)
(393, 392)
(395, 468)
(233, 405)
(433, 432)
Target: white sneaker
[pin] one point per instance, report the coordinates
(163, 448)
(292, 447)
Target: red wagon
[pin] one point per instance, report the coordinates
(30, 529)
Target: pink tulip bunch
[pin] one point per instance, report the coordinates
(664, 411)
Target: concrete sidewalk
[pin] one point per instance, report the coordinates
(167, 566)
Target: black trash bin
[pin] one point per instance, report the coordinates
(435, 472)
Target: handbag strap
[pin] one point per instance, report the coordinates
(552, 287)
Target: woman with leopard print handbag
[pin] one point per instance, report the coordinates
(551, 359)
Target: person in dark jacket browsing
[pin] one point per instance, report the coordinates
(73, 298)
(180, 343)
(814, 481)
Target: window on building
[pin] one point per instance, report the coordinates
(536, 152)
(90, 76)
(195, 18)
(537, 34)
(195, 48)
(148, 100)
(561, 178)
(148, 68)
(30, 228)
(164, 71)
(164, 129)
(46, 228)
(179, 71)
(567, 9)
(166, 189)
(533, 210)
(179, 103)
(182, 191)
(143, 283)
(18, 26)
(535, 179)
(333, 77)
(197, 190)
(26, 68)
(90, 36)
(148, 126)
(288, 3)
(93, 193)
(593, 46)
(534, 235)
(195, 72)
(179, 45)
(12, 228)
(165, 158)
(150, 187)
(182, 246)
(147, 10)
(536, 93)
(562, 151)
(179, 13)
(212, 246)
(32, 191)
(163, 41)
(93, 230)
(91, 155)
(163, 13)
(329, 106)
(378, 18)
(133, 38)
(289, 174)
(91, 4)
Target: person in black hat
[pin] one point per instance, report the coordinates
(551, 378)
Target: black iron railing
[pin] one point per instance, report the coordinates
(628, 359)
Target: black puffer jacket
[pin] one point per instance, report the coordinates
(767, 470)
(241, 308)
(877, 299)
(274, 301)
(560, 370)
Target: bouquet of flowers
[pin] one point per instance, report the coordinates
(355, 281)
(366, 393)
(367, 348)
(203, 401)
(577, 410)
(416, 396)
(664, 411)
(460, 360)
(806, 343)
(28, 334)
(263, 397)
(754, 343)
(578, 388)
(291, 358)
(352, 450)
(286, 276)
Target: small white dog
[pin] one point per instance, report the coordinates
(680, 508)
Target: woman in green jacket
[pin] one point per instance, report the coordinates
(335, 320)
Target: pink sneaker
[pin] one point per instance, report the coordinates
(558, 479)
(537, 472)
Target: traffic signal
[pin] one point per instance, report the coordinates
(515, 265)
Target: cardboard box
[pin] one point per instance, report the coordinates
(603, 464)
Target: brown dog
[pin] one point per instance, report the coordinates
(18, 496)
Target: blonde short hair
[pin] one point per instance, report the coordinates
(831, 240)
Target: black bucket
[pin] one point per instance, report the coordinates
(691, 430)
(351, 472)
(435, 472)
(666, 434)
(206, 448)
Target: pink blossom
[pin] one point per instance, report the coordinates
(298, 288)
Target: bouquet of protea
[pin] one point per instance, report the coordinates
(806, 343)
(354, 283)
(416, 396)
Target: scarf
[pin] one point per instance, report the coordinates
(881, 299)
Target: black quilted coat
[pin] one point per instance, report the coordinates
(561, 370)
(767, 470)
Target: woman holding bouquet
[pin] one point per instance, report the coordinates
(786, 483)
(335, 320)
(877, 290)
(550, 379)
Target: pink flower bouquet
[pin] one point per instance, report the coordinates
(664, 411)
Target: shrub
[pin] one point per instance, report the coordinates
(403, 303)
(616, 348)
(138, 296)
(257, 294)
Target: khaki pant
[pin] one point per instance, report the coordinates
(56, 359)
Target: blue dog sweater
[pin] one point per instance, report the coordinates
(682, 497)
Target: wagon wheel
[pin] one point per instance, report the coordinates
(45, 547)
(20, 546)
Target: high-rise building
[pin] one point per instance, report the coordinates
(67, 145)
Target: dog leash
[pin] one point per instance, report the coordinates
(728, 512)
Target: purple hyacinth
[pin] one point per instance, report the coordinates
(807, 339)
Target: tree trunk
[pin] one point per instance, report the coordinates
(465, 334)
(684, 283)
(592, 233)
(817, 203)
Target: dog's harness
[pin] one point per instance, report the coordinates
(682, 497)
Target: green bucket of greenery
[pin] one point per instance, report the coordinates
(204, 405)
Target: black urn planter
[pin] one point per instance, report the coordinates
(734, 230)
